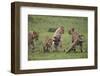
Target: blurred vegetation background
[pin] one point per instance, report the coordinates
(46, 25)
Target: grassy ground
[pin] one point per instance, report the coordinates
(56, 55)
(42, 24)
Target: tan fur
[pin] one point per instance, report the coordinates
(31, 37)
(47, 44)
(76, 39)
(57, 37)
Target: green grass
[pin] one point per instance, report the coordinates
(56, 55)
(41, 24)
